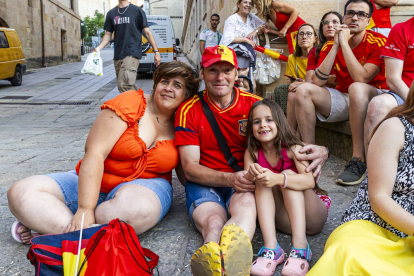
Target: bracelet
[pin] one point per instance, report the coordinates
(285, 181)
(320, 77)
(156, 51)
(319, 71)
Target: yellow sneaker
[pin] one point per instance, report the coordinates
(206, 261)
(237, 251)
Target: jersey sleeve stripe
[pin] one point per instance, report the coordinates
(251, 95)
(185, 108)
(178, 128)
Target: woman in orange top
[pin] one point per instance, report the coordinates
(125, 172)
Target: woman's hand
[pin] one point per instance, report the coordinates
(252, 35)
(282, 32)
(251, 42)
(294, 85)
(75, 223)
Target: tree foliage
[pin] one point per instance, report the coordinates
(94, 23)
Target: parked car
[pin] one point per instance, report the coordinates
(12, 60)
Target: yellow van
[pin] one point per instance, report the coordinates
(12, 61)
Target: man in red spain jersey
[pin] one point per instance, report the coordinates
(380, 20)
(216, 194)
(398, 55)
(360, 73)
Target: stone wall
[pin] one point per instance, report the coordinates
(197, 14)
(59, 21)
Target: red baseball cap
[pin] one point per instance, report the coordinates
(218, 53)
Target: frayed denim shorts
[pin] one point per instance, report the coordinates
(197, 194)
(68, 184)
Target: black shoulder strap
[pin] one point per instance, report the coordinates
(231, 160)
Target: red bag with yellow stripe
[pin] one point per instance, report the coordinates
(112, 249)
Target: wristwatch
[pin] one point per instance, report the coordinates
(257, 32)
(156, 51)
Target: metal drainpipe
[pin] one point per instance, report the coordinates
(43, 33)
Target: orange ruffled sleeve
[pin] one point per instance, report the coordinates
(125, 106)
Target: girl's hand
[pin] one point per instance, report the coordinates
(266, 179)
(255, 169)
(75, 223)
(266, 28)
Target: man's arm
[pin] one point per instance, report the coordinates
(359, 73)
(105, 40)
(147, 33)
(385, 3)
(318, 155)
(202, 46)
(190, 160)
(394, 81)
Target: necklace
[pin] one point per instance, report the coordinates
(124, 10)
(156, 116)
(231, 101)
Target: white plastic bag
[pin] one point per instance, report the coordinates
(93, 64)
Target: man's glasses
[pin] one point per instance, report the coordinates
(307, 34)
(334, 22)
(360, 14)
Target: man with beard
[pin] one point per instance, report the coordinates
(356, 59)
(210, 37)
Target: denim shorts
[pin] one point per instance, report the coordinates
(198, 194)
(399, 100)
(68, 184)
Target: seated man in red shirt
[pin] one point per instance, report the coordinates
(398, 55)
(359, 69)
(217, 194)
(380, 20)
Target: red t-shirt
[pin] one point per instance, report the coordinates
(400, 45)
(312, 62)
(367, 51)
(381, 17)
(193, 128)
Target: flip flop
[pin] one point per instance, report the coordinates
(237, 251)
(17, 236)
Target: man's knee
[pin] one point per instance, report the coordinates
(357, 91)
(379, 106)
(244, 202)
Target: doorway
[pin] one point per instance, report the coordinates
(63, 44)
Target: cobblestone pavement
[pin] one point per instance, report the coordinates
(46, 131)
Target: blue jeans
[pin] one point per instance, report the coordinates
(198, 194)
(399, 100)
(68, 184)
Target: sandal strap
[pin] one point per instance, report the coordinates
(300, 253)
(277, 252)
